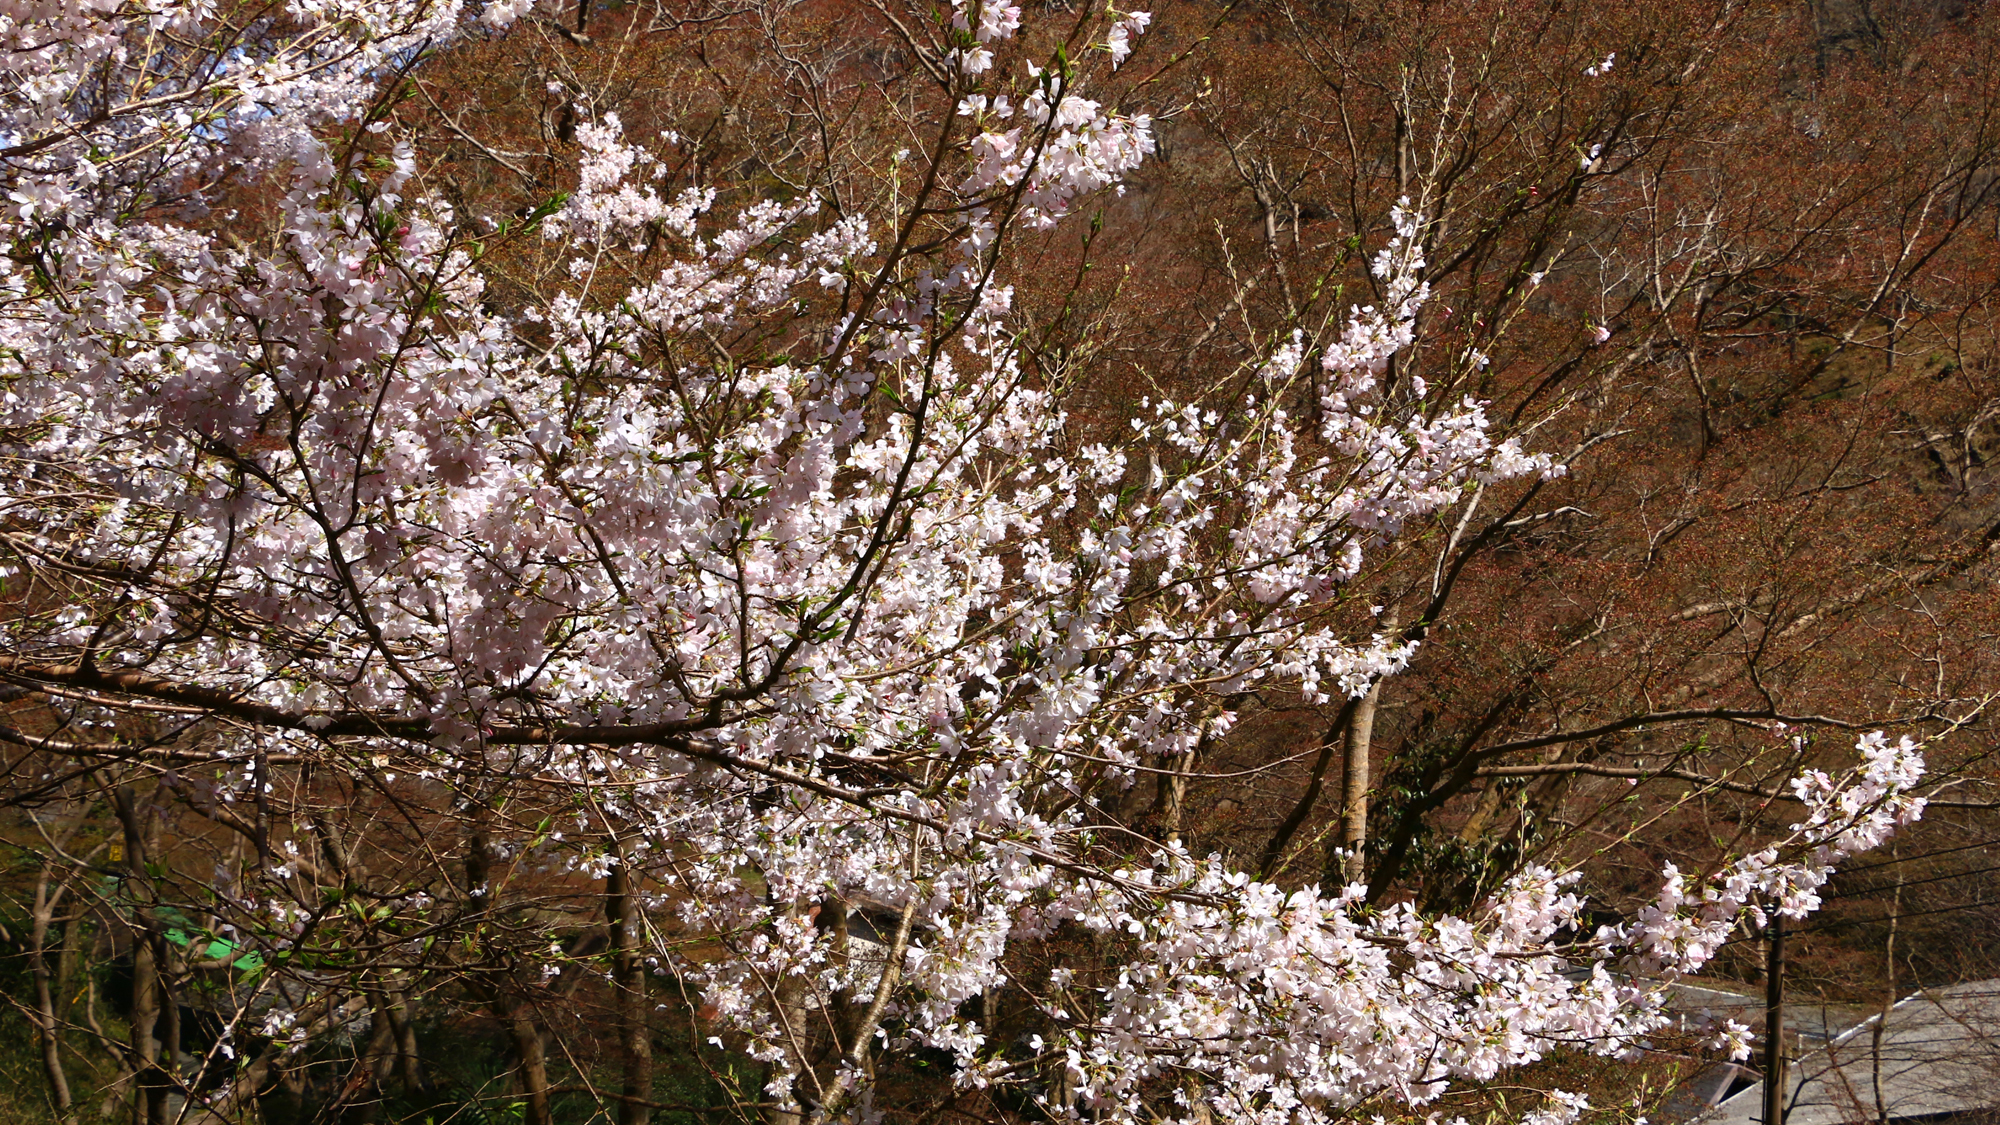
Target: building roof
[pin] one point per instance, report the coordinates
(1936, 1054)
(1815, 1021)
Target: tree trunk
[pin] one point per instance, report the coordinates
(150, 1085)
(1354, 806)
(408, 1062)
(531, 1072)
(792, 1017)
(113, 1089)
(856, 1056)
(68, 961)
(1170, 795)
(628, 984)
(150, 1080)
(48, 1023)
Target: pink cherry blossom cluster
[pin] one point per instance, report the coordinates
(1315, 1004)
(1062, 145)
(839, 617)
(1683, 927)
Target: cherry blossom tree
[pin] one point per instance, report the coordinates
(753, 575)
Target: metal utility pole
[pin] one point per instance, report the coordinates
(1774, 1022)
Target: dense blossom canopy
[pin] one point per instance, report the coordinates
(779, 563)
